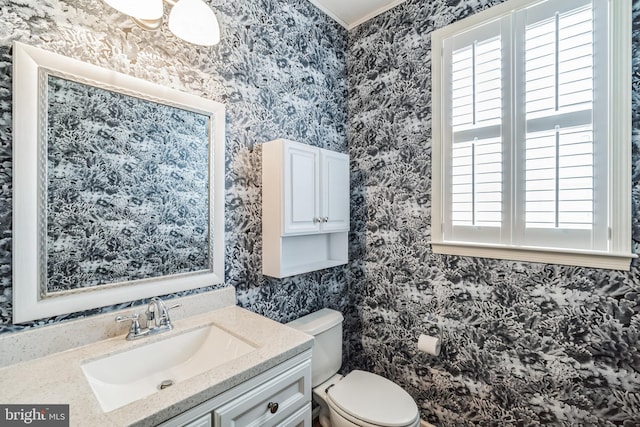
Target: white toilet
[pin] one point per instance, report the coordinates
(359, 398)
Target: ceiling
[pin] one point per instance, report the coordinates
(351, 13)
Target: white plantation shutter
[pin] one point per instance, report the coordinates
(477, 163)
(475, 60)
(476, 185)
(558, 56)
(559, 178)
(562, 192)
(522, 143)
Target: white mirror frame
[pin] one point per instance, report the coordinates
(28, 65)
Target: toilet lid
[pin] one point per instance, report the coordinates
(373, 399)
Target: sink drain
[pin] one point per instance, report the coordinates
(164, 384)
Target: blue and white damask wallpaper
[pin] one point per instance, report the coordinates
(523, 344)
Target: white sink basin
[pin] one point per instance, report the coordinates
(133, 374)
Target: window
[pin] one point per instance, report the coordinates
(532, 133)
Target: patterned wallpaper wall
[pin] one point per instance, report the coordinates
(524, 344)
(280, 69)
(127, 200)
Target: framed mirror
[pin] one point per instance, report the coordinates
(118, 187)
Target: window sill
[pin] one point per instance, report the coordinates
(549, 256)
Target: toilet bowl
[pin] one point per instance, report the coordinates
(364, 399)
(358, 399)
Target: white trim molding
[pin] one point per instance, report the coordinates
(351, 24)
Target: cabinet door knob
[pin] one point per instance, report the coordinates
(317, 220)
(325, 219)
(273, 407)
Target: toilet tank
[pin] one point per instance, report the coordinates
(326, 327)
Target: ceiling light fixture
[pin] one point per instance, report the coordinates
(190, 20)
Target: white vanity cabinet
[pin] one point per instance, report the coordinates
(305, 208)
(280, 396)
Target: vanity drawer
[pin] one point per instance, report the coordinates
(200, 422)
(287, 384)
(270, 403)
(302, 418)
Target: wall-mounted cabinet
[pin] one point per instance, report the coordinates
(305, 208)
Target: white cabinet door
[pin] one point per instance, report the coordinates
(334, 191)
(316, 190)
(301, 189)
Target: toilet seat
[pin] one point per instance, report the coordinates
(369, 399)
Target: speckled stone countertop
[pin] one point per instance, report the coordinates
(58, 378)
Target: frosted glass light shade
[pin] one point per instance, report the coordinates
(150, 10)
(195, 22)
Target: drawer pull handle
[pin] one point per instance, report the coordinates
(273, 407)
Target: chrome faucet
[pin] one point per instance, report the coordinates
(158, 320)
(158, 312)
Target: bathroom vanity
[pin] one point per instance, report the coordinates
(267, 383)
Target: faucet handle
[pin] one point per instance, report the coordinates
(134, 330)
(174, 306)
(134, 317)
(166, 320)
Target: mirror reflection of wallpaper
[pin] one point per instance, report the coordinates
(127, 193)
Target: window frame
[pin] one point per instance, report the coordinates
(618, 254)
